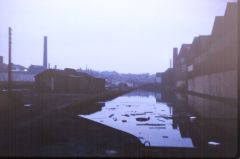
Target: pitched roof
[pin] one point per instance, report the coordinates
(65, 72)
(184, 49)
(36, 69)
(232, 8)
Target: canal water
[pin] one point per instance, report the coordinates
(158, 121)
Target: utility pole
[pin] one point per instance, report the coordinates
(9, 59)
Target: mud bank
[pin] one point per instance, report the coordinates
(35, 125)
(60, 134)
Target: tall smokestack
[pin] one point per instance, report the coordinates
(175, 54)
(45, 52)
(1, 60)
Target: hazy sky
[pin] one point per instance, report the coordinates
(135, 36)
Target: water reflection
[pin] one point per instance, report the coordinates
(173, 120)
(219, 119)
(140, 93)
(155, 123)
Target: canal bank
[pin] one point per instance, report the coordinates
(62, 135)
(50, 101)
(38, 128)
(29, 106)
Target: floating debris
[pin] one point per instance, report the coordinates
(101, 121)
(150, 124)
(111, 152)
(111, 115)
(160, 120)
(27, 105)
(148, 112)
(124, 121)
(164, 136)
(126, 115)
(157, 127)
(111, 108)
(142, 119)
(138, 114)
(192, 118)
(115, 119)
(167, 117)
(212, 143)
(128, 105)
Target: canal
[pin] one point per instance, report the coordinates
(162, 120)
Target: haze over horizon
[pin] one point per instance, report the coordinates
(127, 36)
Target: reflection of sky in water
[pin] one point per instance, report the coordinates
(156, 129)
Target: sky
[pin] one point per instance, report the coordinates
(127, 36)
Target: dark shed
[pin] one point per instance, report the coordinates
(68, 81)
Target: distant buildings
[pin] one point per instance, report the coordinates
(15, 67)
(3, 67)
(167, 84)
(68, 81)
(122, 85)
(21, 73)
(165, 80)
(18, 68)
(35, 69)
(158, 78)
(181, 67)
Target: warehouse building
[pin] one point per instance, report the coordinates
(68, 81)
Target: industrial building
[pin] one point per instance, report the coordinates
(68, 81)
(168, 80)
(158, 79)
(3, 67)
(35, 69)
(213, 58)
(209, 64)
(180, 67)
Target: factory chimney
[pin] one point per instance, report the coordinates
(175, 54)
(45, 52)
(1, 60)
